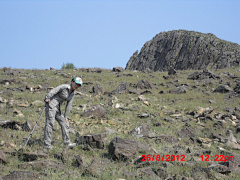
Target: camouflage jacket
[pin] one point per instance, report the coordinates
(59, 94)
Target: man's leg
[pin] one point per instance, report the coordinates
(64, 127)
(50, 118)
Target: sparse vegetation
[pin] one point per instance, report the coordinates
(121, 121)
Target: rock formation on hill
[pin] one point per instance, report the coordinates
(184, 50)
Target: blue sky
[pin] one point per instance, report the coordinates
(41, 34)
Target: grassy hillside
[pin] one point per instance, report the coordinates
(159, 107)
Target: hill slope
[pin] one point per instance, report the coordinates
(184, 50)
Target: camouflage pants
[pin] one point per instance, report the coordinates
(51, 115)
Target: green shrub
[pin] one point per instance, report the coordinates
(68, 66)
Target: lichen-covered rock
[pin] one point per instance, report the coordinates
(182, 50)
(96, 110)
(145, 84)
(124, 149)
(121, 89)
(223, 89)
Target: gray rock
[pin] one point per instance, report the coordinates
(223, 89)
(144, 115)
(96, 110)
(109, 131)
(123, 149)
(172, 71)
(97, 167)
(3, 158)
(28, 126)
(32, 156)
(145, 84)
(178, 90)
(148, 172)
(79, 162)
(186, 132)
(182, 50)
(22, 175)
(93, 140)
(121, 89)
(10, 124)
(140, 130)
(118, 69)
(169, 119)
(42, 165)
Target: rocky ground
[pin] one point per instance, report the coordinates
(184, 124)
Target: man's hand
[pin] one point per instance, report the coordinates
(67, 119)
(47, 101)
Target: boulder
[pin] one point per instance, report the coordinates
(10, 124)
(223, 89)
(145, 84)
(28, 125)
(186, 132)
(123, 149)
(79, 162)
(184, 50)
(232, 142)
(121, 89)
(3, 158)
(117, 69)
(32, 156)
(178, 90)
(172, 71)
(94, 140)
(96, 110)
(140, 131)
(97, 167)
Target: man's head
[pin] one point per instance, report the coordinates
(76, 83)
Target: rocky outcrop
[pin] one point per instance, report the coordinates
(182, 50)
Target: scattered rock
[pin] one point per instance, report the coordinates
(117, 69)
(3, 158)
(94, 140)
(37, 103)
(232, 142)
(109, 131)
(12, 124)
(22, 175)
(145, 84)
(123, 149)
(42, 165)
(186, 132)
(28, 126)
(79, 162)
(18, 113)
(121, 89)
(97, 167)
(96, 110)
(178, 90)
(223, 89)
(32, 156)
(140, 131)
(142, 98)
(171, 71)
(144, 115)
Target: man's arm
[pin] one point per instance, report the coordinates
(68, 107)
(54, 91)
